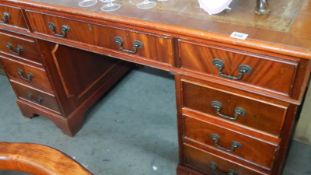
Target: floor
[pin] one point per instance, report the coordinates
(131, 131)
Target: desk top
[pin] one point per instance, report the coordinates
(286, 30)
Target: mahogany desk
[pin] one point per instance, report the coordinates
(237, 100)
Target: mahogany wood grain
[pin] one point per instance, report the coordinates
(301, 85)
(234, 126)
(81, 72)
(88, 76)
(188, 170)
(200, 58)
(291, 43)
(251, 149)
(200, 160)
(78, 74)
(29, 51)
(298, 92)
(16, 17)
(302, 80)
(155, 47)
(179, 102)
(27, 74)
(285, 134)
(36, 96)
(68, 127)
(38, 160)
(280, 61)
(100, 19)
(258, 114)
(183, 170)
(71, 123)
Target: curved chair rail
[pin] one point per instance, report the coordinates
(38, 160)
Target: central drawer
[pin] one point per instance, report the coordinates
(233, 143)
(237, 108)
(149, 46)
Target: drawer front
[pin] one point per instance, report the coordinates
(233, 143)
(36, 97)
(262, 71)
(212, 164)
(12, 16)
(153, 47)
(26, 74)
(239, 109)
(22, 47)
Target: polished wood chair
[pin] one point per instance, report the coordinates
(38, 160)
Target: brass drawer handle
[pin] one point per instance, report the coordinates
(243, 69)
(238, 111)
(136, 45)
(34, 99)
(63, 32)
(216, 140)
(15, 50)
(214, 167)
(5, 18)
(27, 77)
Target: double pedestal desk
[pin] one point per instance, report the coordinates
(238, 94)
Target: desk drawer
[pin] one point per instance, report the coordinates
(237, 108)
(35, 96)
(12, 16)
(27, 74)
(230, 142)
(208, 163)
(154, 47)
(19, 46)
(254, 69)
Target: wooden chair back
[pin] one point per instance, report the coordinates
(38, 160)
